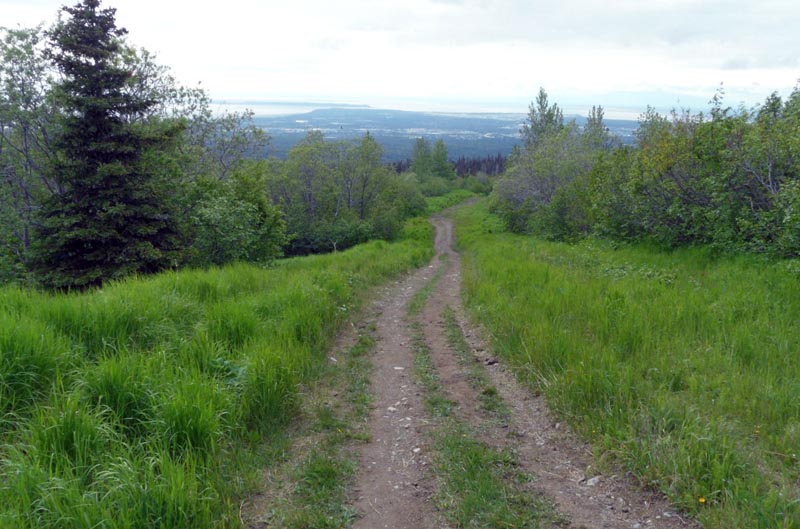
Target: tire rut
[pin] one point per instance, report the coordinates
(393, 488)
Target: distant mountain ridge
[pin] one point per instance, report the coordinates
(466, 134)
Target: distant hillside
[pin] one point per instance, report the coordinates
(470, 135)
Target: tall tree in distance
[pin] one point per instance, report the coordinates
(370, 174)
(110, 218)
(544, 119)
(440, 165)
(421, 160)
(26, 117)
(595, 133)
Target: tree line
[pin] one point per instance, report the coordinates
(109, 167)
(729, 178)
(465, 165)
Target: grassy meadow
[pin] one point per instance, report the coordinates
(681, 366)
(143, 404)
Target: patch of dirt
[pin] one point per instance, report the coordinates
(393, 486)
(546, 448)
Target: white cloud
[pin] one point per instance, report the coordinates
(582, 51)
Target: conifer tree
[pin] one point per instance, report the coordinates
(111, 219)
(543, 119)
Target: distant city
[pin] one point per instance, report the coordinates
(466, 134)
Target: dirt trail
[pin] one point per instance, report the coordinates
(394, 485)
(393, 488)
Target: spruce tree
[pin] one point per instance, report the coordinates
(111, 219)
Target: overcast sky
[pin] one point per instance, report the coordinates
(466, 54)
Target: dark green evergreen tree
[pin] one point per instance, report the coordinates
(112, 218)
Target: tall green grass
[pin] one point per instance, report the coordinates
(453, 198)
(682, 366)
(133, 406)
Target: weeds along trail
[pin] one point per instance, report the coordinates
(412, 430)
(679, 365)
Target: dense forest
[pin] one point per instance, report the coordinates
(466, 165)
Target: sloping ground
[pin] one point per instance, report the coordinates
(398, 469)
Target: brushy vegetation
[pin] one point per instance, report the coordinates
(728, 178)
(679, 365)
(137, 405)
(195, 188)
